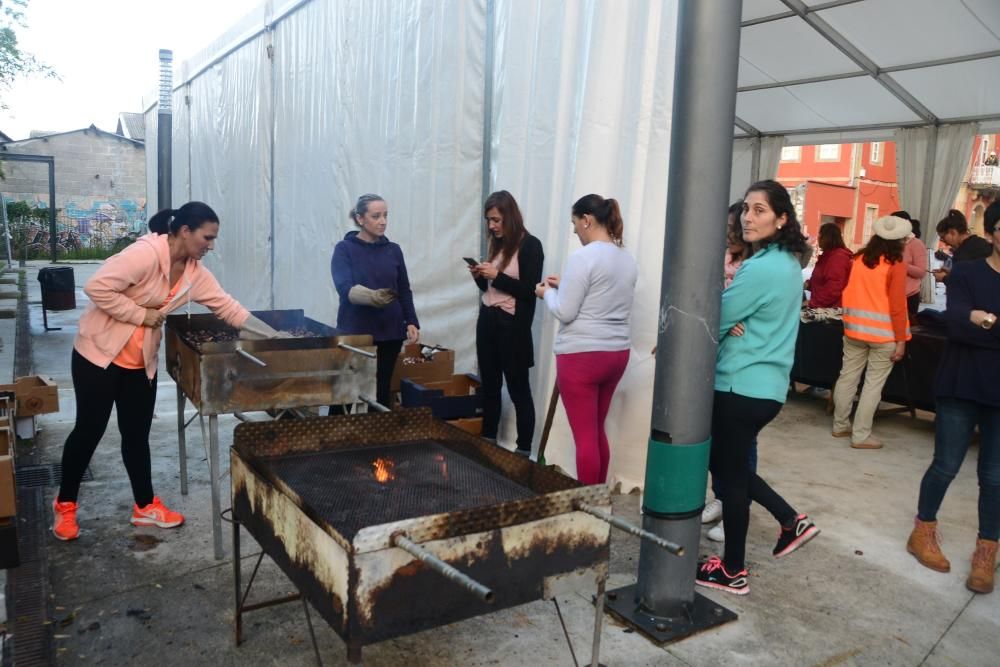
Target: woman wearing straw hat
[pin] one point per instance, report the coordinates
(876, 328)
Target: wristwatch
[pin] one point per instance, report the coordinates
(988, 321)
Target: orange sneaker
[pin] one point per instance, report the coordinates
(156, 514)
(64, 527)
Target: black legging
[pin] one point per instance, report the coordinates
(497, 362)
(736, 421)
(97, 390)
(386, 351)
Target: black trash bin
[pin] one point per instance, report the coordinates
(58, 290)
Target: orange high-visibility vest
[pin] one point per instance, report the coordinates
(866, 304)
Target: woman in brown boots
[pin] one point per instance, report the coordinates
(968, 394)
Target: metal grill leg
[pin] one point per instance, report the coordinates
(312, 634)
(595, 656)
(213, 455)
(237, 584)
(182, 440)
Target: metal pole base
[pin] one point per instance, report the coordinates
(702, 614)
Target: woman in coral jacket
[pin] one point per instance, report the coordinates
(116, 350)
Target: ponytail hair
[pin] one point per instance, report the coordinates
(191, 215)
(606, 212)
(955, 220)
(361, 207)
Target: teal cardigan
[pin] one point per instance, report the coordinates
(766, 296)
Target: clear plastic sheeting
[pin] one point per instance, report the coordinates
(565, 124)
(386, 98)
(230, 167)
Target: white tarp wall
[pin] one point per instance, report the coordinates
(282, 132)
(583, 94)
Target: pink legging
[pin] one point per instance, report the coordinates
(587, 381)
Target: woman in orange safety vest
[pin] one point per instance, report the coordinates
(876, 329)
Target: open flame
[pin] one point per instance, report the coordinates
(443, 464)
(383, 470)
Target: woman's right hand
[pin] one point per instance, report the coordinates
(738, 330)
(153, 319)
(552, 281)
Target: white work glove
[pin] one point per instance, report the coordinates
(360, 295)
(256, 329)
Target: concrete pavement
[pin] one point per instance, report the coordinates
(851, 597)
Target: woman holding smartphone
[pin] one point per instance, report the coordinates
(504, 347)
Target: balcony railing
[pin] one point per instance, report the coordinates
(985, 177)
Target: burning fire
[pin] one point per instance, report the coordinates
(383, 470)
(443, 464)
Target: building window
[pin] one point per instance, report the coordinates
(828, 153)
(984, 150)
(871, 213)
(876, 153)
(791, 154)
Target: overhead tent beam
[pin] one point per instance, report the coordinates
(789, 14)
(746, 127)
(959, 120)
(883, 70)
(860, 59)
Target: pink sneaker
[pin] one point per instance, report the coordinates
(156, 514)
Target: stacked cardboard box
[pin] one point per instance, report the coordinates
(33, 395)
(422, 364)
(8, 490)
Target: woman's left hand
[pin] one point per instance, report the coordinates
(412, 334)
(738, 330)
(487, 270)
(540, 290)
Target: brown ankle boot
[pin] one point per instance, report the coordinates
(923, 544)
(984, 563)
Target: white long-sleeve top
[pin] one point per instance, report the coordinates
(594, 300)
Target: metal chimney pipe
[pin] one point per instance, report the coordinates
(164, 130)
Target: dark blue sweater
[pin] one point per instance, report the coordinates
(374, 265)
(970, 366)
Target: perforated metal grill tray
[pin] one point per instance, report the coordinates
(342, 486)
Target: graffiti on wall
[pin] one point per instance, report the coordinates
(93, 223)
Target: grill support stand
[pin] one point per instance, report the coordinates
(213, 466)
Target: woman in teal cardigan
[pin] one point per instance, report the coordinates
(759, 321)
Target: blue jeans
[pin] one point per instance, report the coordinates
(956, 421)
(717, 487)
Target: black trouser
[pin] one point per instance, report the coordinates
(387, 351)
(498, 361)
(912, 306)
(97, 390)
(736, 421)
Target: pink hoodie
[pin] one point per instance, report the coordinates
(135, 279)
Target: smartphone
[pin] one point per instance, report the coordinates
(470, 261)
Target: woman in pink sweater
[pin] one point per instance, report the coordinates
(116, 350)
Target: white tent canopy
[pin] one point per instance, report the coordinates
(304, 105)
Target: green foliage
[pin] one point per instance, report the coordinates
(13, 61)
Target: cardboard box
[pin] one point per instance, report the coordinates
(34, 395)
(8, 495)
(456, 398)
(473, 425)
(412, 365)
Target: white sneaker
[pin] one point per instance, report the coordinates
(712, 511)
(718, 533)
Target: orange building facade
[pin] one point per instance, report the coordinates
(851, 185)
(981, 184)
